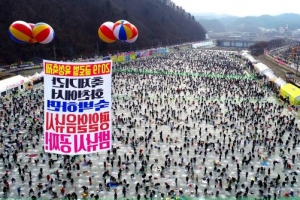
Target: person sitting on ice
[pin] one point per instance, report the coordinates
(89, 162)
(287, 194)
(84, 195)
(292, 193)
(100, 187)
(217, 163)
(85, 189)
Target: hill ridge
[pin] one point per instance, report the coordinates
(75, 22)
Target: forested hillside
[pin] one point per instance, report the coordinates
(75, 22)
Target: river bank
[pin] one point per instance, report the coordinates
(28, 72)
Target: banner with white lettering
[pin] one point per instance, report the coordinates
(77, 118)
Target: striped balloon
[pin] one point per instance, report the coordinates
(134, 36)
(106, 33)
(14, 38)
(32, 40)
(122, 30)
(31, 25)
(43, 33)
(20, 31)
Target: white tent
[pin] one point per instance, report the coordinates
(279, 82)
(207, 43)
(37, 75)
(269, 74)
(244, 54)
(12, 83)
(250, 58)
(262, 68)
(26, 80)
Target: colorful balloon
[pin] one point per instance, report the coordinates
(106, 33)
(122, 30)
(134, 36)
(14, 38)
(32, 40)
(20, 31)
(43, 33)
(31, 25)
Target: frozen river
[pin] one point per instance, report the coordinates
(178, 124)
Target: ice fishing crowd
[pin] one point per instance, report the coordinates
(191, 123)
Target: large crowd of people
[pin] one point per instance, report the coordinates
(192, 123)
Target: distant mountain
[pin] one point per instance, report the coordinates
(76, 23)
(251, 23)
(211, 21)
(293, 20)
(213, 25)
(209, 16)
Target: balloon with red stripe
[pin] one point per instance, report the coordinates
(106, 33)
(31, 25)
(32, 40)
(43, 33)
(134, 36)
(122, 30)
(20, 31)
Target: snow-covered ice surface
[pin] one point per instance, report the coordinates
(203, 112)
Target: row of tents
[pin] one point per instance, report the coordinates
(18, 83)
(287, 91)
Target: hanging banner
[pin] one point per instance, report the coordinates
(127, 57)
(114, 58)
(77, 118)
(121, 58)
(132, 55)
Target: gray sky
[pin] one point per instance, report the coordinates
(240, 7)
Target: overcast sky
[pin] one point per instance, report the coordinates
(240, 7)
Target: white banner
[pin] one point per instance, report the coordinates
(77, 118)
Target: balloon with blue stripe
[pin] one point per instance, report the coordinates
(20, 31)
(14, 38)
(123, 30)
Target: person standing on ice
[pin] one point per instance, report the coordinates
(124, 191)
(115, 195)
(19, 191)
(62, 191)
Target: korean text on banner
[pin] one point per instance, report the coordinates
(77, 107)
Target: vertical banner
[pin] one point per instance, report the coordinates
(137, 54)
(77, 118)
(114, 58)
(121, 57)
(132, 55)
(127, 57)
